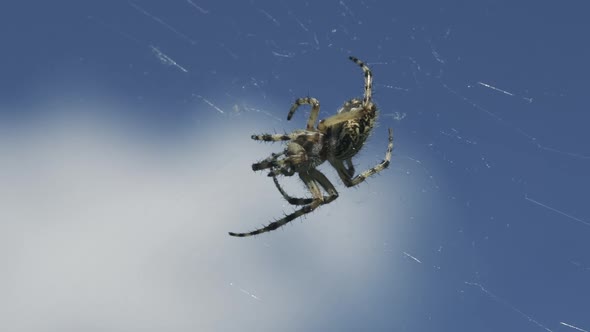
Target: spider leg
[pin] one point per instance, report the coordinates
(316, 201)
(279, 166)
(322, 180)
(283, 170)
(290, 199)
(326, 184)
(312, 179)
(347, 171)
(368, 79)
(315, 110)
(351, 182)
(349, 111)
(268, 162)
(296, 155)
(286, 137)
(272, 137)
(350, 166)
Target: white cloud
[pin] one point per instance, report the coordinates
(103, 229)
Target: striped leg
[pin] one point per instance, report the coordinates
(295, 155)
(312, 135)
(315, 110)
(368, 80)
(290, 199)
(277, 166)
(272, 137)
(328, 187)
(316, 201)
(268, 162)
(313, 180)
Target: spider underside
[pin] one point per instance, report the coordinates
(336, 139)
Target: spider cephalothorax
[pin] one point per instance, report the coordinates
(336, 139)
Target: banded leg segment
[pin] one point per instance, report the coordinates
(294, 153)
(313, 180)
(273, 137)
(368, 80)
(326, 184)
(316, 201)
(268, 162)
(309, 135)
(315, 110)
(322, 180)
(277, 166)
(290, 199)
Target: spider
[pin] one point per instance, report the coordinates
(336, 139)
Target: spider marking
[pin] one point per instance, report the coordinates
(336, 139)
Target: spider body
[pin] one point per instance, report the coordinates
(336, 139)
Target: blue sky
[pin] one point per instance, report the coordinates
(124, 140)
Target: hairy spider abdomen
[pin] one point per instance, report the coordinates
(352, 135)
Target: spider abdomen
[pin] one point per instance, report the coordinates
(353, 134)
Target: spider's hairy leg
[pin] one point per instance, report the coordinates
(368, 80)
(268, 162)
(316, 201)
(350, 182)
(272, 137)
(343, 172)
(284, 170)
(315, 110)
(285, 137)
(290, 199)
(313, 180)
(326, 184)
(328, 187)
(296, 155)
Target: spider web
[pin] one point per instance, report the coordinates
(126, 160)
